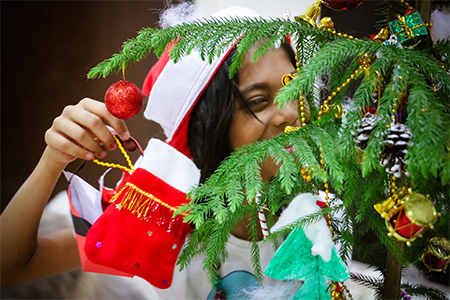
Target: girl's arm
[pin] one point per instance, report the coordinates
(24, 255)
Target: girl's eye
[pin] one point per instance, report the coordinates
(256, 105)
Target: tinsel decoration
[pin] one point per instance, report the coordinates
(393, 157)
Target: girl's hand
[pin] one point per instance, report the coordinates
(81, 132)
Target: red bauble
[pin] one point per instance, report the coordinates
(123, 99)
(341, 4)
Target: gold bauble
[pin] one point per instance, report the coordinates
(325, 23)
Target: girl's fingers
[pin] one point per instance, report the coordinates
(99, 109)
(81, 131)
(64, 149)
(79, 136)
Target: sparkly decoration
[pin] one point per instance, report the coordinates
(411, 31)
(393, 157)
(382, 35)
(437, 254)
(405, 296)
(164, 281)
(385, 208)
(137, 265)
(326, 23)
(306, 173)
(286, 79)
(415, 214)
(99, 245)
(393, 41)
(342, 4)
(220, 295)
(123, 99)
(149, 233)
(119, 206)
(290, 129)
(338, 291)
(436, 87)
(174, 246)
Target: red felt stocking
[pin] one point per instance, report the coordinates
(137, 233)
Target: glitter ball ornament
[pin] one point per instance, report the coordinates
(341, 4)
(123, 99)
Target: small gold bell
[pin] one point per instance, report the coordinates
(311, 14)
(384, 208)
(286, 79)
(382, 35)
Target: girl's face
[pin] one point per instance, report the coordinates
(259, 82)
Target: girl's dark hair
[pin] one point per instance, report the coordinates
(211, 117)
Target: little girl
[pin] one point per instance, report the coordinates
(205, 116)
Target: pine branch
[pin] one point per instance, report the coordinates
(425, 291)
(132, 51)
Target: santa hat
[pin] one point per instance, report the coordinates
(137, 234)
(174, 88)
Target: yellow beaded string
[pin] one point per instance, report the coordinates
(335, 294)
(333, 31)
(407, 5)
(365, 62)
(112, 165)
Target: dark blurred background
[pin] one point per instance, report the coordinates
(47, 48)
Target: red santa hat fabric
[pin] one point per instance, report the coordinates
(174, 88)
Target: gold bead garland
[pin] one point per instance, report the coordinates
(333, 31)
(365, 62)
(325, 106)
(407, 5)
(336, 294)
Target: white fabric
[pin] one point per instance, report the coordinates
(171, 166)
(85, 198)
(179, 85)
(192, 283)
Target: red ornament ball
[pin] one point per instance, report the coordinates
(341, 4)
(123, 99)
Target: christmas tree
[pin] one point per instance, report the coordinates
(384, 151)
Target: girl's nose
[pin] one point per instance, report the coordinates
(287, 115)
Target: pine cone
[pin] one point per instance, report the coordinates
(367, 125)
(393, 156)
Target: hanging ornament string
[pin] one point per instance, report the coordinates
(112, 165)
(123, 70)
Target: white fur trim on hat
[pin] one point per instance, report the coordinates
(169, 165)
(179, 85)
